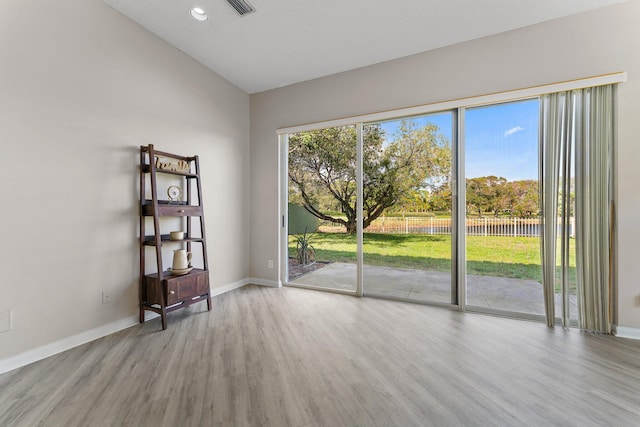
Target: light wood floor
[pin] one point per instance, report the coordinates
(296, 357)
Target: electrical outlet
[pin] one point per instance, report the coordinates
(106, 298)
(5, 321)
(270, 263)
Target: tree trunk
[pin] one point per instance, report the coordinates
(351, 227)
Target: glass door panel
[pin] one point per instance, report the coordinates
(322, 209)
(502, 209)
(408, 208)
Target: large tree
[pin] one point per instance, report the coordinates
(322, 169)
(523, 198)
(485, 194)
(497, 195)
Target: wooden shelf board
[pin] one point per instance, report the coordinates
(168, 276)
(173, 307)
(150, 240)
(145, 149)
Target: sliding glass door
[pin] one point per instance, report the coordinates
(449, 209)
(503, 271)
(322, 198)
(407, 209)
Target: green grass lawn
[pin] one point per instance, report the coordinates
(517, 257)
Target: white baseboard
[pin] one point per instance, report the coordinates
(625, 332)
(59, 346)
(265, 282)
(228, 288)
(42, 352)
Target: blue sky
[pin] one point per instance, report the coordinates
(501, 139)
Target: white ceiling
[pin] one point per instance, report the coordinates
(289, 41)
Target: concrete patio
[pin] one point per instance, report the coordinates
(500, 293)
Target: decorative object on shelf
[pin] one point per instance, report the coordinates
(170, 289)
(181, 166)
(181, 259)
(179, 271)
(175, 193)
(176, 235)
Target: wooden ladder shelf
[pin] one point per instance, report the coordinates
(164, 291)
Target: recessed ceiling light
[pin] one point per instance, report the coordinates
(198, 14)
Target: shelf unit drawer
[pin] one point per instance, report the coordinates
(173, 210)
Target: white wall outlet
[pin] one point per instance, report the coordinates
(6, 321)
(270, 263)
(106, 297)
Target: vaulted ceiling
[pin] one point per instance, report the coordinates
(288, 41)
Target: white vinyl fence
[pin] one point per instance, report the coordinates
(486, 226)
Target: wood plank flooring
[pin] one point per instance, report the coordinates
(296, 357)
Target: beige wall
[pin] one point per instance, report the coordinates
(594, 43)
(81, 88)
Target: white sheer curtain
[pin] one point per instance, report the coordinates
(554, 126)
(576, 152)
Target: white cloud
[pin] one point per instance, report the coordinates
(512, 131)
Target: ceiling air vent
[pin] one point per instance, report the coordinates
(241, 6)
